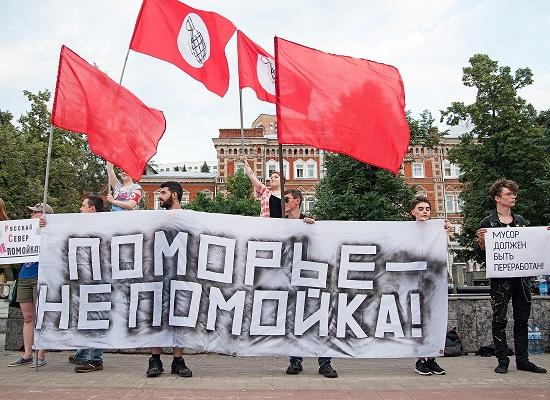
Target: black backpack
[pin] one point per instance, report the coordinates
(453, 344)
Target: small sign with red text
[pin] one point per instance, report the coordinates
(19, 241)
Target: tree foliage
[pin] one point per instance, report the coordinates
(351, 190)
(74, 170)
(508, 139)
(423, 131)
(237, 201)
(205, 167)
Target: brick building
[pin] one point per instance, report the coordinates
(302, 164)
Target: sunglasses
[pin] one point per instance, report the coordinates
(287, 199)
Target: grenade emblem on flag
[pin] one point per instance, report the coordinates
(269, 63)
(196, 41)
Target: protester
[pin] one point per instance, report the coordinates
(293, 201)
(170, 199)
(89, 360)
(126, 194)
(270, 197)
(26, 297)
(421, 210)
(503, 192)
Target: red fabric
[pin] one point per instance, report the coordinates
(256, 68)
(120, 128)
(342, 104)
(164, 27)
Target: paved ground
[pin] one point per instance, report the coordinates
(224, 377)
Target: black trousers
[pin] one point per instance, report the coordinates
(519, 290)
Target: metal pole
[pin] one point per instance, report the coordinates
(120, 83)
(282, 180)
(44, 201)
(242, 125)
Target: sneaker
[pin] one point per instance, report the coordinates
(434, 367)
(502, 367)
(74, 360)
(294, 368)
(89, 366)
(179, 367)
(421, 368)
(20, 361)
(155, 367)
(327, 371)
(529, 366)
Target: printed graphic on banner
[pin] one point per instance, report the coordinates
(517, 252)
(194, 40)
(243, 285)
(265, 68)
(19, 241)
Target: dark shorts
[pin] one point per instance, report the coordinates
(26, 290)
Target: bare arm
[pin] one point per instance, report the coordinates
(113, 180)
(255, 181)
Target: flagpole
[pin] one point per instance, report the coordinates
(282, 180)
(120, 83)
(242, 125)
(44, 202)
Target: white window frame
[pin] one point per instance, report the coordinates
(308, 203)
(184, 198)
(421, 173)
(299, 165)
(454, 170)
(156, 200)
(272, 162)
(453, 203)
(239, 166)
(313, 164)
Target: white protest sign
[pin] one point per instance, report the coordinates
(513, 252)
(19, 241)
(242, 285)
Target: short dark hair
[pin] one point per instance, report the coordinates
(419, 199)
(174, 187)
(499, 184)
(96, 202)
(295, 193)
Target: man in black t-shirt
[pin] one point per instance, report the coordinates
(504, 193)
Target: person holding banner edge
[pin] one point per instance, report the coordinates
(26, 297)
(293, 200)
(503, 192)
(170, 199)
(421, 210)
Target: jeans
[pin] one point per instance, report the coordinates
(320, 360)
(519, 290)
(95, 355)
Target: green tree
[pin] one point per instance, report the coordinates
(238, 200)
(74, 170)
(505, 141)
(423, 131)
(205, 167)
(351, 190)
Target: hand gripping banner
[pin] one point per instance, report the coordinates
(242, 285)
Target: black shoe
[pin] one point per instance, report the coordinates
(327, 371)
(294, 368)
(529, 366)
(434, 367)
(179, 367)
(155, 367)
(421, 368)
(502, 367)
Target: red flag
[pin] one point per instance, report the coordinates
(193, 40)
(120, 128)
(256, 68)
(342, 104)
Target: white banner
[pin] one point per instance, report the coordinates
(512, 252)
(242, 285)
(19, 241)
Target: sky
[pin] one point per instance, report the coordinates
(429, 41)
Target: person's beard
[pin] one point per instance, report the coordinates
(168, 203)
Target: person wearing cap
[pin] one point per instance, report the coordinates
(26, 297)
